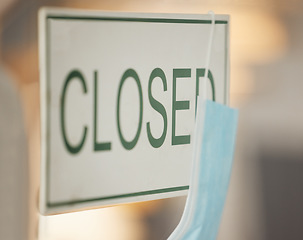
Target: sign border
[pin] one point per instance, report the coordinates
(47, 14)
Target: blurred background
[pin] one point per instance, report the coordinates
(265, 195)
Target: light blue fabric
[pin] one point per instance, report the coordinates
(216, 157)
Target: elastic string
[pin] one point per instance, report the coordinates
(210, 43)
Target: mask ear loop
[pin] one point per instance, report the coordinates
(210, 44)
(189, 209)
(198, 131)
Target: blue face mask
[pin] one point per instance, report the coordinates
(214, 144)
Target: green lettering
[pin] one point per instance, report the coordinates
(200, 73)
(75, 74)
(179, 105)
(98, 146)
(157, 142)
(130, 144)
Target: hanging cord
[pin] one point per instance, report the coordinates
(189, 209)
(197, 152)
(198, 131)
(210, 44)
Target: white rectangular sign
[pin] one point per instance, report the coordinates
(118, 98)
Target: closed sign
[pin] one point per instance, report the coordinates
(118, 102)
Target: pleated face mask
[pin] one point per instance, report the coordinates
(214, 144)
